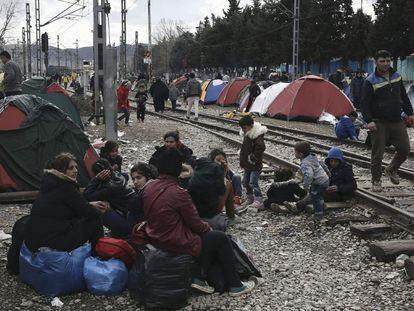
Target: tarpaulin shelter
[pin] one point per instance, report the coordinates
(230, 93)
(53, 93)
(308, 97)
(267, 97)
(33, 131)
(212, 91)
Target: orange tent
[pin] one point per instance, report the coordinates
(230, 93)
(308, 97)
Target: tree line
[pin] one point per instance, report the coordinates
(260, 35)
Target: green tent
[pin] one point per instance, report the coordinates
(41, 87)
(46, 132)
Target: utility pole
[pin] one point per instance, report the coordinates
(295, 52)
(123, 39)
(77, 55)
(136, 53)
(24, 51)
(58, 52)
(28, 41)
(38, 51)
(149, 41)
(71, 61)
(362, 10)
(66, 59)
(121, 58)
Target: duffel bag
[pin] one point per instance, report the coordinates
(107, 248)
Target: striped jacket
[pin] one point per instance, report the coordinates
(384, 99)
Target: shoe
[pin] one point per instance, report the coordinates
(257, 204)
(237, 200)
(393, 176)
(376, 186)
(291, 206)
(201, 286)
(242, 208)
(247, 287)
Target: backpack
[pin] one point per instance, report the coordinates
(108, 248)
(17, 240)
(245, 266)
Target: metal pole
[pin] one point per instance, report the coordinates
(136, 53)
(38, 45)
(295, 52)
(66, 59)
(28, 41)
(77, 55)
(109, 94)
(24, 51)
(123, 39)
(121, 57)
(149, 41)
(58, 52)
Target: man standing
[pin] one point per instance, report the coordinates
(12, 75)
(383, 98)
(193, 93)
(254, 91)
(337, 78)
(356, 88)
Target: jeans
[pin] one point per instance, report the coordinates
(251, 182)
(141, 111)
(237, 185)
(192, 101)
(116, 223)
(125, 115)
(316, 194)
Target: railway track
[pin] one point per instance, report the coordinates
(383, 205)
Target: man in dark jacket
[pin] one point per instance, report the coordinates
(192, 94)
(383, 98)
(110, 186)
(356, 88)
(254, 91)
(337, 78)
(159, 92)
(342, 183)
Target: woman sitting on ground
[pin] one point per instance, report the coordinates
(61, 218)
(174, 225)
(110, 151)
(172, 140)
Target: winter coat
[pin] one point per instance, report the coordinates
(185, 151)
(253, 147)
(280, 192)
(254, 91)
(113, 161)
(206, 186)
(173, 223)
(313, 172)
(141, 96)
(12, 77)
(383, 99)
(159, 91)
(174, 93)
(193, 88)
(135, 206)
(345, 128)
(341, 176)
(336, 78)
(122, 96)
(356, 87)
(58, 206)
(115, 191)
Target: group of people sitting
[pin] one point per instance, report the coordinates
(176, 196)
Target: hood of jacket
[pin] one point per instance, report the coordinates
(53, 178)
(335, 153)
(206, 172)
(255, 132)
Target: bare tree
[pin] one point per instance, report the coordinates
(167, 30)
(7, 13)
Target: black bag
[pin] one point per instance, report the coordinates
(13, 253)
(218, 222)
(245, 266)
(162, 281)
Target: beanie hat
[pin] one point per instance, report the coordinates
(170, 162)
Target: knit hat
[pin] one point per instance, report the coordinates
(170, 162)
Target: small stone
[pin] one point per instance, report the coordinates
(26, 303)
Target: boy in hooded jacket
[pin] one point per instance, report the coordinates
(315, 177)
(342, 183)
(251, 160)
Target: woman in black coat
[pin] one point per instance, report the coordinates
(61, 218)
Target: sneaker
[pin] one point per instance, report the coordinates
(201, 286)
(246, 287)
(241, 208)
(237, 200)
(257, 205)
(393, 176)
(376, 186)
(291, 206)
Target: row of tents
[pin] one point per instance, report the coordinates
(36, 126)
(307, 97)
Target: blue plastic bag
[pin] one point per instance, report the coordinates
(105, 277)
(54, 273)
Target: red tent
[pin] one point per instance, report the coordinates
(308, 97)
(56, 88)
(230, 93)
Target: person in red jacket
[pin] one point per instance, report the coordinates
(123, 103)
(173, 225)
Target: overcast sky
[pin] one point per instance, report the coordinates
(190, 12)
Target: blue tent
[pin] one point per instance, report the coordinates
(213, 91)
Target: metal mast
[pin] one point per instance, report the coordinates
(295, 52)
(28, 41)
(136, 53)
(24, 51)
(58, 52)
(123, 40)
(77, 55)
(38, 46)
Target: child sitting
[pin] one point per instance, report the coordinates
(284, 191)
(315, 177)
(141, 97)
(345, 128)
(110, 152)
(251, 160)
(342, 183)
